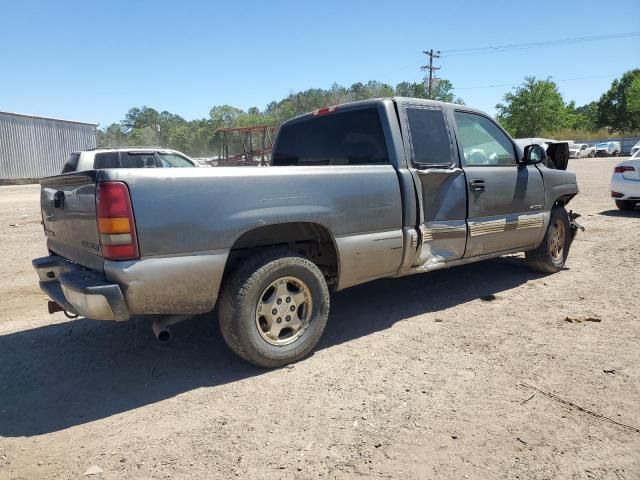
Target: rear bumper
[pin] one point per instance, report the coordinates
(630, 189)
(77, 290)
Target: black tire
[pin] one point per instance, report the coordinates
(625, 204)
(247, 286)
(550, 256)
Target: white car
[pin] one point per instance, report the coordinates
(581, 150)
(127, 157)
(625, 183)
(635, 149)
(608, 149)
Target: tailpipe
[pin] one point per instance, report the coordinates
(161, 326)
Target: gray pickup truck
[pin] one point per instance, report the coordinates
(360, 191)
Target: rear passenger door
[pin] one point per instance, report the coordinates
(505, 200)
(439, 182)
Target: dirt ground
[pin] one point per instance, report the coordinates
(415, 378)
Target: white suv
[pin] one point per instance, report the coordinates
(133, 157)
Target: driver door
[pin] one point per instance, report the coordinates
(505, 200)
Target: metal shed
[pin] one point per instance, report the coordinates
(34, 147)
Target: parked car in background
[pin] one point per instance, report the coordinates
(625, 183)
(356, 192)
(608, 149)
(635, 149)
(581, 150)
(130, 157)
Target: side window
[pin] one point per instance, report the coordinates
(142, 160)
(342, 138)
(170, 160)
(483, 143)
(107, 160)
(429, 137)
(71, 164)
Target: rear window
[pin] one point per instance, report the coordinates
(429, 137)
(344, 138)
(71, 164)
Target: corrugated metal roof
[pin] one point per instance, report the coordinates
(35, 147)
(49, 118)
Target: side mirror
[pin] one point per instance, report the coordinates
(533, 154)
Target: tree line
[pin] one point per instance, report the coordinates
(535, 108)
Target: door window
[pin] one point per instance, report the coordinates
(483, 143)
(429, 137)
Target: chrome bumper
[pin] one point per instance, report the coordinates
(80, 291)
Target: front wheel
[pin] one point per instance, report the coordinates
(552, 253)
(273, 309)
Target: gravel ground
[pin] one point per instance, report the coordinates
(415, 378)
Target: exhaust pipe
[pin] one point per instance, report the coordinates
(161, 326)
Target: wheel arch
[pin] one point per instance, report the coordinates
(311, 239)
(563, 200)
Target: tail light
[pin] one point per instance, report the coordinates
(116, 224)
(324, 111)
(617, 194)
(623, 168)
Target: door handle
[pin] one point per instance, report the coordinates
(477, 184)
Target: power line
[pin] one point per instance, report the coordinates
(526, 46)
(553, 80)
(430, 67)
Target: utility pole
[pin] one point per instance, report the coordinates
(431, 68)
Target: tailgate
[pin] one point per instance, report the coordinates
(68, 204)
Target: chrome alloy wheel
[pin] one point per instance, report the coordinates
(284, 311)
(558, 236)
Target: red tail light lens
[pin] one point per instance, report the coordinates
(116, 224)
(624, 168)
(325, 111)
(617, 194)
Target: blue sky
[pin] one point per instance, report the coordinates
(92, 61)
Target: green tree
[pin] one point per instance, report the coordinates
(225, 116)
(588, 117)
(140, 118)
(112, 136)
(441, 91)
(619, 107)
(532, 109)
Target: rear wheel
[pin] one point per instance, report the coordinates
(274, 308)
(552, 253)
(625, 204)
